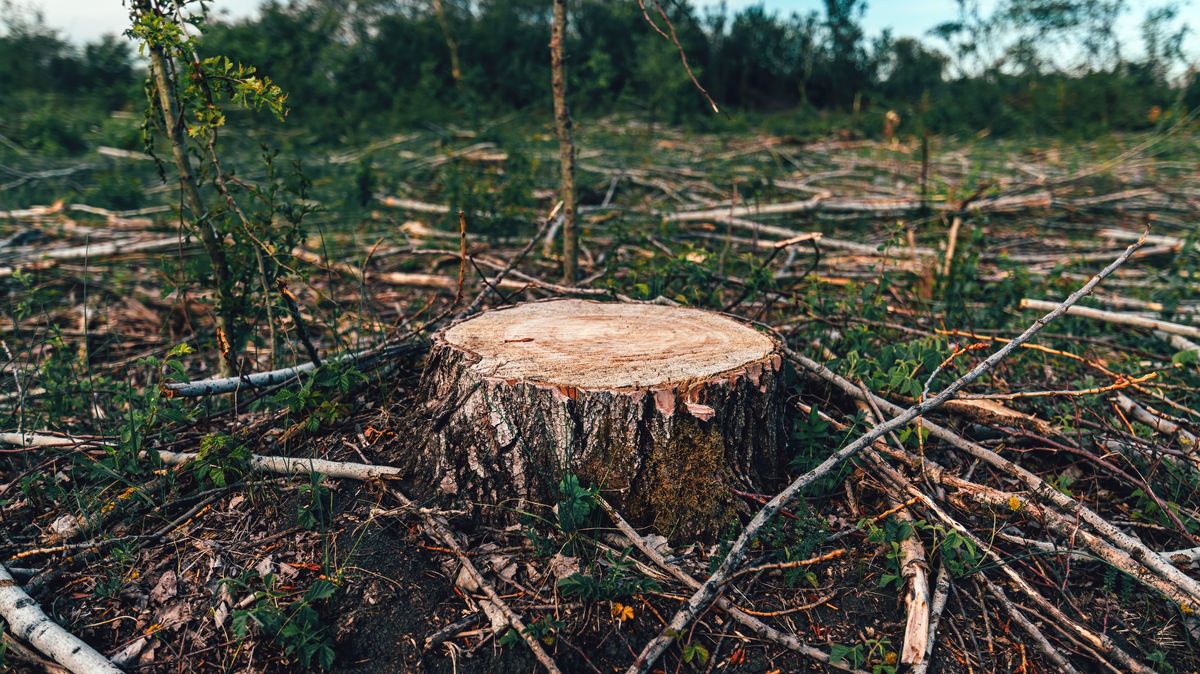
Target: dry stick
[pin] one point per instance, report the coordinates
(1119, 318)
(705, 595)
(258, 380)
(1178, 342)
(874, 205)
(1122, 382)
(1158, 423)
(1097, 641)
(437, 529)
(951, 244)
(794, 564)
(283, 465)
(674, 38)
(301, 327)
(566, 143)
(508, 267)
(759, 228)
(941, 591)
(287, 465)
(1038, 487)
(1184, 556)
(760, 628)
(1040, 639)
(27, 621)
(117, 247)
(462, 258)
(914, 568)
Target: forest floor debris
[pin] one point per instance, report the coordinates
(1048, 520)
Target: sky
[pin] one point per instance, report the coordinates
(85, 20)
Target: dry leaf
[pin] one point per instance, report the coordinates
(166, 588)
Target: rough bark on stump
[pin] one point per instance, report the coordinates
(667, 410)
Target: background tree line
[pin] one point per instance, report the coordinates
(1028, 66)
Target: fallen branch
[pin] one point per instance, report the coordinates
(95, 250)
(1034, 633)
(1178, 342)
(259, 380)
(282, 465)
(750, 622)
(705, 595)
(287, 465)
(1119, 319)
(872, 205)
(914, 568)
(1036, 486)
(941, 591)
(1158, 423)
(27, 621)
(439, 530)
(1098, 641)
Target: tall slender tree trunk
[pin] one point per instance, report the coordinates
(566, 143)
(451, 43)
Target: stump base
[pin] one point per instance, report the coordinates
(667, 410)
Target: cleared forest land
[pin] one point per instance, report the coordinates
(1048, 517)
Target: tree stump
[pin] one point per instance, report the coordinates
(667, 410)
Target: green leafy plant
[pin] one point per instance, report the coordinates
(575, 504)
(959, 553)
(1161, 662)
(294, 623)
(891, 534)
(316, 400)
(220, 461)
(695, 653)
(875, 653)
(610, 580)
(316, 503)
(235, 220)
(118, 572)
(146, 410)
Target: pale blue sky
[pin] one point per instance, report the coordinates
(83, 20)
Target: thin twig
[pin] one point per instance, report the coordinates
(705, 595)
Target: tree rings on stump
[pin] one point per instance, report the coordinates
(667, 410)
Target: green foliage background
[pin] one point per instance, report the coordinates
(387, 64)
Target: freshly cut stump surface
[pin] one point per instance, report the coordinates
(667, 410)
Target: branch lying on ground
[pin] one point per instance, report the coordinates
(27, 621)
(1119, 318)
(259, 380)
(1038, 488)
(438, 529)
(750, 622)
(705, 595)
(293, 466)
